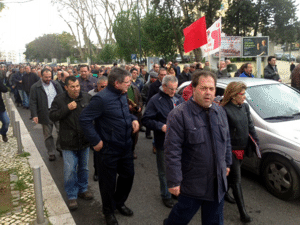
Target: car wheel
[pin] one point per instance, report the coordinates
(281, 178)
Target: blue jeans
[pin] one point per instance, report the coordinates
(161, 169)
(76, 172)
(5, 123)
(186, 208)
(24, 98)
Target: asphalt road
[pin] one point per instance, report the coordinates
(145, 200)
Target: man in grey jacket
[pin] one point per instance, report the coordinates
(42, 94)
(270, 71)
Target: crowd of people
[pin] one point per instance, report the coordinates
(198, 141)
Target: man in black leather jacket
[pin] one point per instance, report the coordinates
(66, 109)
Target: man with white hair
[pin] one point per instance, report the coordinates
(185, 75)
(155, 118)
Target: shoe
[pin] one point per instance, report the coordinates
(95, 177)
(111, 219)
(238, 196)
(149, 137)
(4, 138)
(154, 150)
(142, 129)
(86, 195)
(124, 210)
(72, 204)
(168, 202)
(52, 157)
(229, 199)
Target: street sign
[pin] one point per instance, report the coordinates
(133, 56)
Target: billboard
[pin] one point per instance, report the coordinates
(230, 47)
(254, 46)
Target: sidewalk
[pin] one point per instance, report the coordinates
(17, 204)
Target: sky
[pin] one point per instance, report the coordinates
(21, 23)
(24, 20)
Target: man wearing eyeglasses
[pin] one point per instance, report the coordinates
(155, 118)
(108, 126)
(192, 68)
(101, 84)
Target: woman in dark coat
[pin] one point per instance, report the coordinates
(240, 126)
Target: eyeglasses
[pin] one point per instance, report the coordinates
(171, 89)
(102, 86)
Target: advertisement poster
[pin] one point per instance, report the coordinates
(151, 61)
(231, 46)
(254, 46)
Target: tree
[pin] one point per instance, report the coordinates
(240, 18)
(274, 18)
(49, 46)
(108, 53)
(158, 32)
(125, 29)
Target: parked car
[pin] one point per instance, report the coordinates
(278, 56)
(275, 110)
(185, 57)
(288, 57)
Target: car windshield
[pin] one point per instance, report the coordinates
(274, 101)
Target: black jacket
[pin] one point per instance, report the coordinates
(270, 73)
(39, 102)
(3, 89)
(107, 118)
(16, 78)
(240, 125)
(183, 77)
(70, 132)
(153, 89)
(28, 80)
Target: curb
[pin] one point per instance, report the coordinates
(57, 209)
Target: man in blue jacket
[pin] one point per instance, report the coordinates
(247, 71)
(155, 118)
(198, 154)
(108, 126)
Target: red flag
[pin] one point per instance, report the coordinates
(195, 35)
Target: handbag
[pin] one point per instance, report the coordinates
(252, 147)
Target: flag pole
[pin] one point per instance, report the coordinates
(220, 41)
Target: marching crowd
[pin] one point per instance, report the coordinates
(199, 142)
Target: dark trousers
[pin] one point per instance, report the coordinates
(114, 191)
(183, 212)
(96, 160)
(234, 176)
(148, 132)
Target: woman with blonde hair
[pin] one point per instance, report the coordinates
(240, 126)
